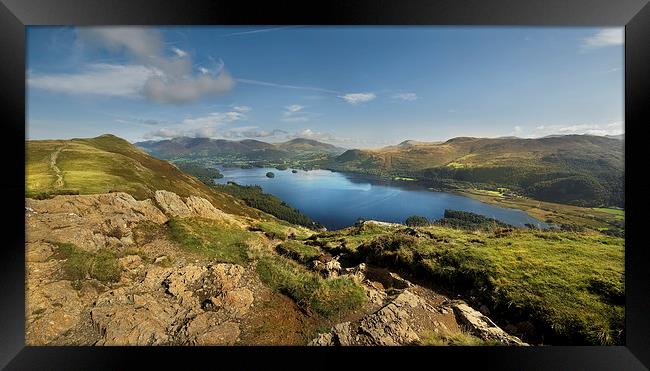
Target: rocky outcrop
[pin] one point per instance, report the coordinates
(191, 305)
(481, 326)
(172, 204)
(88, 221)
(388, 326)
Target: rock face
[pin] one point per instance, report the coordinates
(175, 306)
(388, 326)
(151, 304)
(482, 326)
(89, 221)
(172, 204)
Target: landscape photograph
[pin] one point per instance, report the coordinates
(324, 186)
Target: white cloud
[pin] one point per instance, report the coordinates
(163, 133)
(406, 96)
(215, 119)
(613, 128)
(242, 109)
(97, 79)
(356, 98)
(294, 108)
(605, 37)
(294, 113)
(180, 53)
(258, 31)
(143, 42)
(517, 131)
(310, 134)
(286, 86)
(154, 76)
(251, 132)
(164, 90)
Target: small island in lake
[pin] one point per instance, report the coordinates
(270, 174)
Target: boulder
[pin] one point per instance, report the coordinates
(482, 326)
(172, 204)
(388, 326)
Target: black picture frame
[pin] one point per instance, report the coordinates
(16, 14)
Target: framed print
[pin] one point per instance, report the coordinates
(371, 181)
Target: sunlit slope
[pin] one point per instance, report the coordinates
(575, 169)
(109, 164)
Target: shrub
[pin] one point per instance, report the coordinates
(298, 251)
(417, 221)
(79, 264)
(309, 290)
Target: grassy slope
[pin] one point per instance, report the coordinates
(486, 152)
(107, 163)
(569, 284)
(576, 169)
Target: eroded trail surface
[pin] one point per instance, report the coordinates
(58, 183)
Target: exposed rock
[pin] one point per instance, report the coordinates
(203, 208)
(330, 269)
(51, 311)
(172, 204)
(131, 262)
(481, 325)
(208, 329)
(235, 302)
(387, 326)
(89, 221)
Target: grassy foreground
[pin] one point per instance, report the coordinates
(569, 285)
(234, 245)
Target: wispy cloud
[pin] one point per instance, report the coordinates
(612, 128)
(287, 86)
(310, 134)
(215, 119)
(180, 53)
(604, 38)
(151, 74)
(262, 30)
(251, 132)
(406, 96)
(242, 109)
(357, 98)
(206, 126)
(294, 113)
(97, 79)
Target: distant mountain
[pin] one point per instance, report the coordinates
(579, 169)
(250, 148)
(309, 145)
(619, 136)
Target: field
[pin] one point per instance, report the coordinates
(591, 218)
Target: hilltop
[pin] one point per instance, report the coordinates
(574, 169)
(110, 164)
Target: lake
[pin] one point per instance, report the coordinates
(337, 200)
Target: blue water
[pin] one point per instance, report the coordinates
(337, 200)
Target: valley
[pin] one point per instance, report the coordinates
(126, 249)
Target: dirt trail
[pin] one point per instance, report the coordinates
(59, 175)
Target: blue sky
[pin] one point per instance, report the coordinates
(351, 86)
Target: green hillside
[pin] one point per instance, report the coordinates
(110, 164)
(574, 169)
(553, 287)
